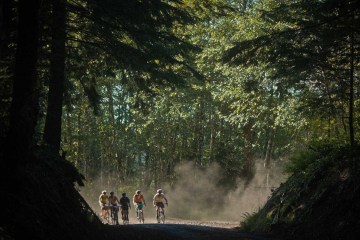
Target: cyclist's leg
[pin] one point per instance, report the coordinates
(157, 213)
(116, 220)
(112, 214)
(163, 214)
(137, 210)
(103, 212)
(142, 216)
(107, 214)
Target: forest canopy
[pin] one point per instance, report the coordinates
(127, 90)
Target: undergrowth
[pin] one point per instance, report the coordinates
(310, 204)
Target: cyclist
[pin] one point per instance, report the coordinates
(113, 202)
(125, 204)
(138, 201)
(158, 200)
(103, 200)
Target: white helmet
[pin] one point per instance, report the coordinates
(159, 190)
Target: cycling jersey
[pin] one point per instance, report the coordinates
(124, 201)
(113, 200)
(159, 197)
(138, 198)
(103, 198)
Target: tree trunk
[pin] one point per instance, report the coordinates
(25, 96)
(52, 132)
(351, 97)
(6, 16)
(249, 164)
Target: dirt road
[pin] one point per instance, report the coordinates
(176, 229)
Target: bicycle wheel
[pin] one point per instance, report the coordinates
(158, 215)
(107, 216)
(125, 216)
(141, 216)
(115, 217)
(162, 216)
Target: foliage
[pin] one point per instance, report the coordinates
(321, 182)
(255, 223)
(319, 152)
(152, 84)
(305, 55)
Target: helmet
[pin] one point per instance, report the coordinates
(124, 194)
(111, 193)
(103, 192)
(138, 191)
(159, 190)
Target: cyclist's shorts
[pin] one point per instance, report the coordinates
(124, 208)
(139, 206)
(115, 207)
(160, 204)
(103, 205)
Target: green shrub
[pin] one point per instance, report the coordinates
(255, 222)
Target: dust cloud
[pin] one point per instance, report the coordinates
(197, 194)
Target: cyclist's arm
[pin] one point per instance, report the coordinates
(154, 201)
(166, 200)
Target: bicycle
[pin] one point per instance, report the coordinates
(125, 216)
(140, 213)
(160, 214)
(115, 215)
(106, 216)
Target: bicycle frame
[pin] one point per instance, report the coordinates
(125, 215)
(105, 214)
(140, 213)
(160, 214)
(114, 214)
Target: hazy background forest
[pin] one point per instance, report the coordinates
(207, 99)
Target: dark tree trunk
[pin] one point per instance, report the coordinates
(351, 97)
(6, 22)
(7, 35)
(52, 132)
(25, 96)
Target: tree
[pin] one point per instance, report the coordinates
(311, 51)
(52, 130)
(7, 40)
(25, 95)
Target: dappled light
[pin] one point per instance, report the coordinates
(229, 119)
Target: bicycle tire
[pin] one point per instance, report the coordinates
(162, 217)
(107, 218)
(141, 216)
(125, 216)
(115, 217)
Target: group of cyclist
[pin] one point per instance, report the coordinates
(113, 202)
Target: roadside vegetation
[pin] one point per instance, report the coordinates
(119, 95)
(320, 199)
